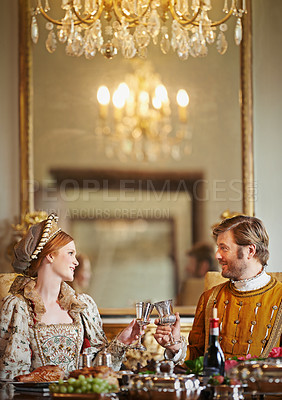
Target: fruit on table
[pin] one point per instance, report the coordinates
(82, 385)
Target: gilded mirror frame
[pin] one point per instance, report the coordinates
(26, 112)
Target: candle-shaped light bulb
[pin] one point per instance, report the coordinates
(143, 103)
(144, 97)
(157, 103)
(103, 97)
(161, 93)
(118, 99)
(124, 90)
(182, 99)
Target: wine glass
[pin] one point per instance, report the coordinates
(166, 317)
(143, 311)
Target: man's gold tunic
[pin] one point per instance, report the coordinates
(250, 321)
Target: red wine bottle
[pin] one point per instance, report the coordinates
(214, 357)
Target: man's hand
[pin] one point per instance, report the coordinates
(163, 332)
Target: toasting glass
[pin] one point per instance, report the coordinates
(143, 311)
(166, 317)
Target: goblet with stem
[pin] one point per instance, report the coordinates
(143, 311)
(166, 317)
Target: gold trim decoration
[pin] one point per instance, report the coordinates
(25, 111)
(275, 333)
(246, 59)
(29, 219)
(19, 230)
(224, 215)
(49, 231)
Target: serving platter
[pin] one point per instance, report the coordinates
(32, 386)
(92, 396)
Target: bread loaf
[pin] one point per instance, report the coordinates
(46, 373)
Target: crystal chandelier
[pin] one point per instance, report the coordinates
(139, 124)
(129, 26)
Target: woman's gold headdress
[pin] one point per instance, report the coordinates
(31, 245)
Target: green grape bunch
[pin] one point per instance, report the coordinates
(82, 385)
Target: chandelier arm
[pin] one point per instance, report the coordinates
(120, 14)
(221, 21)
(182, 20)
(227, 16)
(60, 23)
(54, 21)
(90, 18)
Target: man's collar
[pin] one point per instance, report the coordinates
(256, 282)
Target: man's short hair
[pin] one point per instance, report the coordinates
(246, 231)
(204, 252)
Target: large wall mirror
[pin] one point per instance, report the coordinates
(159, 208)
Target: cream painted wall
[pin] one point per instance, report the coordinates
(267, 120)
(267, 33)
(9, 149)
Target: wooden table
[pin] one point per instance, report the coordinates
(7, 392)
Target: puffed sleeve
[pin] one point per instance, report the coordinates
(15, 353)
(196, 340)
(94, 332)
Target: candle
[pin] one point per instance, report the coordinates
(103, 97)
(119, 99)
(182, 99)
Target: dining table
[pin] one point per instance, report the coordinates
(256, 379)
(9, 392)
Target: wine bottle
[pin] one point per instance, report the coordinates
(214, 357)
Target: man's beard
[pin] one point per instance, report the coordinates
(235, 268)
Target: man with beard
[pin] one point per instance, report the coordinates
(249, 304)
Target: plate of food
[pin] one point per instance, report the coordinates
(39, 379)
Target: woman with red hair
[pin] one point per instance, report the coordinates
(43, 321)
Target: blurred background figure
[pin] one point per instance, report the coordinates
(82, 274)
(200, 260)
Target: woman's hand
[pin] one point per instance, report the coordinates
(131, 333)
(163, 332)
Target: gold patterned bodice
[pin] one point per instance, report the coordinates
(59, 344)
(26, 343)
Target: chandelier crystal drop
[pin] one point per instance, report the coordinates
(129, 26)
(141, 122)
